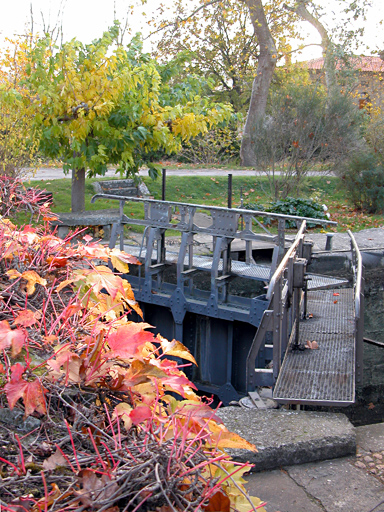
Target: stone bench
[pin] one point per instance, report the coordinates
(127, 188)
(104, 218)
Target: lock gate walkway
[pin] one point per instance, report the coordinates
(323, 375)
(245, 339)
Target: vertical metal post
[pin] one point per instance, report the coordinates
(163, 179)
(227, 260)
(162, 238)
(359, 338)
(229, 190)
(277, 313)
(281, 239)
(241, 206)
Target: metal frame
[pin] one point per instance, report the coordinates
(282, 318)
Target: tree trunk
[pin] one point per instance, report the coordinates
(261, 84)
(78, 190)
(326, 44)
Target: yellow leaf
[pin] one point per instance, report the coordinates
(122, 411)
(175, 348)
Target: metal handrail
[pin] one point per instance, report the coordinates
(280, 269)
(358, 273)
(240, 211)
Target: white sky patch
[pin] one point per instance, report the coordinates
(88, 19)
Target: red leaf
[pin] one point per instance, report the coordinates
(31, 392)
(140, 414)
(71, 310)
(27, 318)
(11, 337)
(127, 339)
(177, 383)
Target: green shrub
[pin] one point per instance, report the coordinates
(364, 179)
(304, 129)
(300, 207)
(254, 206)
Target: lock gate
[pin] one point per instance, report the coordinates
(240, 340)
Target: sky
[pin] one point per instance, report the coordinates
(87, 19)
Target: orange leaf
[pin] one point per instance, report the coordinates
(140, 372)
(33, 278)
(57, 261)
(123, 411)
(121, 259)
(103, 277)
(47, 501)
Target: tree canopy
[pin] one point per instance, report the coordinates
(100, 104)
(17, 144)
(274, 24)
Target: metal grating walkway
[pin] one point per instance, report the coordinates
(239, 268)
(325, 376)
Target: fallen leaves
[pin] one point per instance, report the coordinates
(312, 345)
(94, 489)
(57, 459)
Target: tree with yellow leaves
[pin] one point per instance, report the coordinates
(18, 140)
(101, 104)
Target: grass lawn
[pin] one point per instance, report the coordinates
(213, 191)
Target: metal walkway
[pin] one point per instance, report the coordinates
(323, 376)
(238, 268)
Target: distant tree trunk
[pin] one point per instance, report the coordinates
(78, 190)
(326, 44)
(261, 84)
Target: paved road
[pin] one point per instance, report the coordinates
(53, 173)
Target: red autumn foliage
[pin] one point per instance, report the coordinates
(98, 385)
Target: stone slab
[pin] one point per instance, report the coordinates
(15, 419)
(339, 486)
(370, 437)
(88, 218)
(285, 438)
(280, 492)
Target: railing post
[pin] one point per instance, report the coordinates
(277, 321)
(162, 238)
(281, 239)
(360, 336)
(358, 271)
